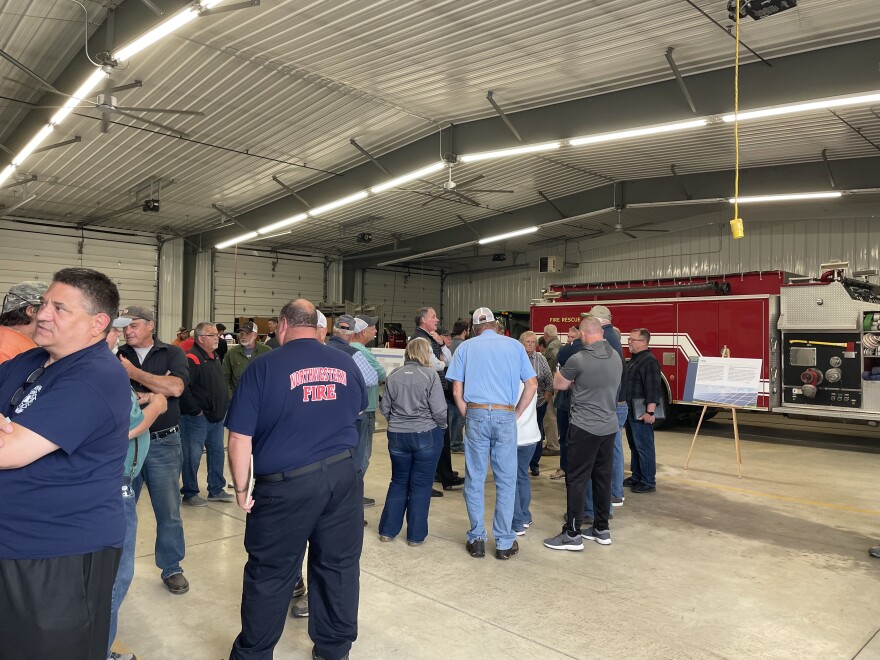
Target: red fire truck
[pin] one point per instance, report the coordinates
(809, 333)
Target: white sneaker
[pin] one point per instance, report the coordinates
(121, 656)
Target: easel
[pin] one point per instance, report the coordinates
(725, 353)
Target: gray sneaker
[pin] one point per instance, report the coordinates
(195, 500)
(121, 656)
(602, 537)
(221, 497)
(563, 541)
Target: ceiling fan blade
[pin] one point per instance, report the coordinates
(434, 198)
(192, 113)
(659, 231)
(466, 198)
(486, 190)
(628, 234)
(611, 227)
(471, 180)
(38, 107)
(152, 123)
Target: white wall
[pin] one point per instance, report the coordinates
(401, 292)
(796, 246)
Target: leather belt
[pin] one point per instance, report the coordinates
(161, 434)
(491, 406)
(311, 467)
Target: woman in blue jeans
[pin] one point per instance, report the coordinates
(414, 405)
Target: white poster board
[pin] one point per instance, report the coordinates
(389, 358)
(724, 381)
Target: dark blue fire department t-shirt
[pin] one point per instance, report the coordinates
(299, 404)
(68, 502)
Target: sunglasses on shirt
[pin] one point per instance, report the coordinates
(19, 393)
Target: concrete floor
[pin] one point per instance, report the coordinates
(773, 565)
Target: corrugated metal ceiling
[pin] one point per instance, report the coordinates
(287, 85)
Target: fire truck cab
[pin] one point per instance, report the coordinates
(818, 339)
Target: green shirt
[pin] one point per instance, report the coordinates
(372, 392)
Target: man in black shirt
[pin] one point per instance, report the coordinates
(642, 394)
(203, 404)
(154, 366)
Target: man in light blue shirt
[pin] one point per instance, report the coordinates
(485, 373)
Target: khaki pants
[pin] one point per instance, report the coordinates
(551, 434)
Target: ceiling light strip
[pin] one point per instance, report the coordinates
(281, 224)
(339, 203)
(794, 108)
(406, 178)
(789, 197)
(237, 239)
(510, 234)
(515, 151)
(637, 132)
(146, 40)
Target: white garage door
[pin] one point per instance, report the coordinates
(33, 252)
(402, 292)
(260, 284)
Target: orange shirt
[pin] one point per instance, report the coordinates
(12, 343)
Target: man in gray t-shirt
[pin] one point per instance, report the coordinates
(593, 376)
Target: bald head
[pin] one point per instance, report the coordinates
(591, 330)
(298, 320)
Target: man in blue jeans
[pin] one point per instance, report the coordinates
(203, 407)
(154, 366)
(485, 375)
(138, 446)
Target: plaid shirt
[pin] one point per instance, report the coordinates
(545, 376)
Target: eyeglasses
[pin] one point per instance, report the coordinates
(19, 393)
(210, 334)
(632, 340)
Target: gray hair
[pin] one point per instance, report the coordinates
(421, 315)
(590, 325)
(201, 327)
(551, 331)
(299, 313)
(643, 334)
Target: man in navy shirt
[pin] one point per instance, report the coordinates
(293, 414)
(61, 518)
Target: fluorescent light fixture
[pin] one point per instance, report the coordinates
(510, 234)
(281, 224)
(84, 90)
(6, 172)
(33, 144)
(162, 30)
(638, 132)
(822, 104)
(237, 239)
(406, 178)
(515, 151)
(339, 203)
(794, 197)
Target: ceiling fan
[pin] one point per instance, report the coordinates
(627, 231)
(452, 188)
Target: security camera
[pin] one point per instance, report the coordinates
(364, 237)
(151, 205)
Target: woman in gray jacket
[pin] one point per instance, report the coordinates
(414, 405)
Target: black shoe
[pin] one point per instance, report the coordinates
(455, 483)
(535, 471)
(368, 502)
(476, 548)
(177, 584)
(507, 554)
(629, 482)
(300, 589)
(436, 493)
(643, 488)
(315, 655)
(875, 551)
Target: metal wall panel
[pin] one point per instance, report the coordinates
(35, 253)
(204, 289)
(401, 292)
(260, 284)
(796, 246)
(170, 307)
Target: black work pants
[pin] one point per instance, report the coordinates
(445, 474)
(589, 457)
(58, 607)
(325, 508)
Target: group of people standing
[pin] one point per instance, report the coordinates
(300, 420)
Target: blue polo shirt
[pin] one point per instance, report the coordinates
(299, 404)
(67, 502)
(492, 367)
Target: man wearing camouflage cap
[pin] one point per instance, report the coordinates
(18, 320)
